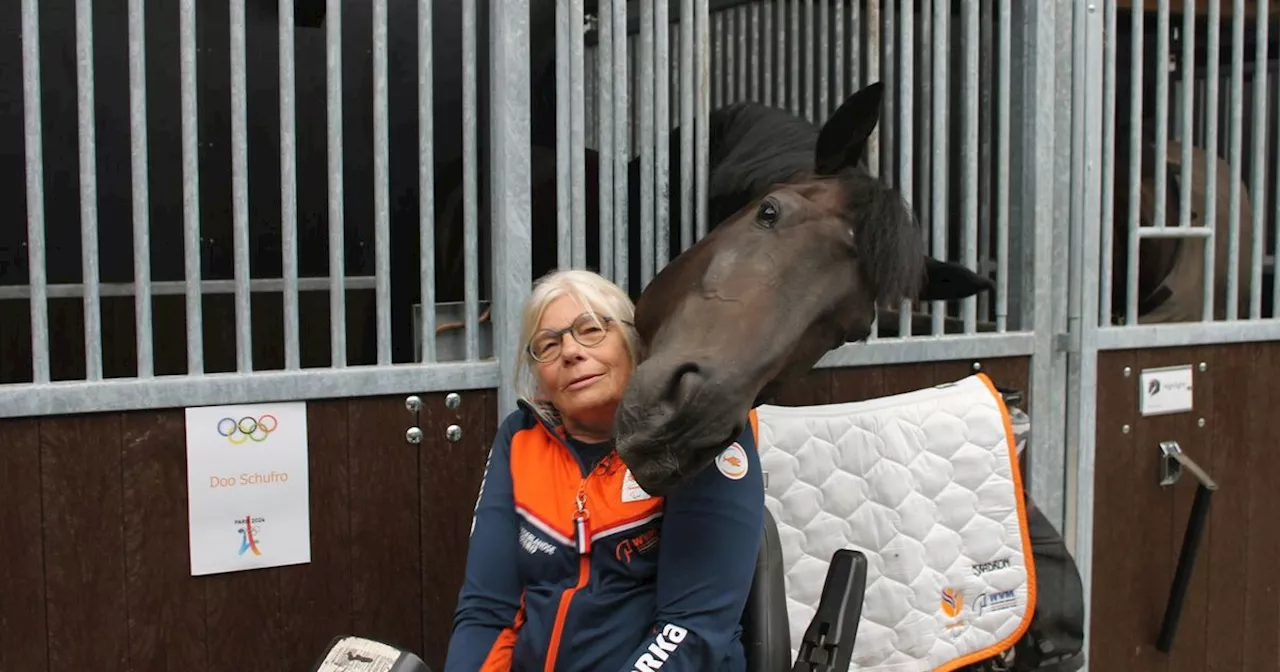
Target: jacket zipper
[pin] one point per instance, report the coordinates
(582, 533)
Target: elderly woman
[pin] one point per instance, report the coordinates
(572, 566)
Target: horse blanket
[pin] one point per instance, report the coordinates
(927, 485)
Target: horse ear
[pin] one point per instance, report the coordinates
(946, 281)
(844, 137)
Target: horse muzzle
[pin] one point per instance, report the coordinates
(672, 422)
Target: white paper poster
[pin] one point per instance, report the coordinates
(247, 494)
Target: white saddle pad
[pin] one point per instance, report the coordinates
(927, 486)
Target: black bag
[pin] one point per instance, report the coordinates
(1055, 640)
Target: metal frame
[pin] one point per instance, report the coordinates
(124, 394)
(1095, 139)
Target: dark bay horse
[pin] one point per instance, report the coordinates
(808, 245)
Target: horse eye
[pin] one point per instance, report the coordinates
(767, 214)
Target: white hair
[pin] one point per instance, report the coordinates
(596, 294)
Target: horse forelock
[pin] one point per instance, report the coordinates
(887, 238)
(758, 147)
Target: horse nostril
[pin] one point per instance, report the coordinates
(684, 382)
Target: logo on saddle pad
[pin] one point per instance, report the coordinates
(952, 602)
(732, 462)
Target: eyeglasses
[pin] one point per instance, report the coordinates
(588, 330)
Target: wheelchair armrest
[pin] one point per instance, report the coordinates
(828, 641)
(359, 653)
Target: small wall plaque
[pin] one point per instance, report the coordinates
(1165, 390)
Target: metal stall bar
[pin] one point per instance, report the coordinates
(564, 118)
(426, 185)
(882, 43)
(1187, 110)
(381, 197)
(120, 394)
(740, 40)
(1003, 92)
(986, 79)
(1259, 156)
(1161, 111)
(767, 32)
(621, 142)
(646, 140)
(577, 135)
(1135, 162)
(138, 174)
(1236, 141)
(88, 190)
(1048, 464)
(810, 96)
(1106, 246)
(906, 112)
(240, 189)
(1096, 39)
(604, 133)
(1275, 254)
(794, 84)
(288, 189)
(941, 136)
(779, 9)
(662, 132)
(754, 74)
(717, 75)
(511, 185)
(702, 115)
(191, 187)
(1211, 149)
(969, 150)
(825, 107)
(470, 232)
(871, 61)
(33, 143)
(838, 54)
(337, 255)
(688, 89)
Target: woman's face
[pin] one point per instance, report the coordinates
(585, 383)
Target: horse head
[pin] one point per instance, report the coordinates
(797, 270)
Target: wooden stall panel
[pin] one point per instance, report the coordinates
(1256, 398)
(1231, 617)
(315, 598)
(22, 591)
(166, 608)
(386, 564)
(449, 483)
(80, 484)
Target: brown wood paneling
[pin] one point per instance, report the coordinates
(812, 388)
(449, 481)
(315, 598)
(22, 587)
(386, 564)
(81, 496)
(1256, 400)
(243, 620)
(166, 609)
(869, 382)
(1231, 618)
(1226, 384)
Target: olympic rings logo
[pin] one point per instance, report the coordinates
(247, 428)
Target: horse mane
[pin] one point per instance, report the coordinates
(757, 147)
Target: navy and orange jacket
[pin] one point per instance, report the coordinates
(624, 582)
